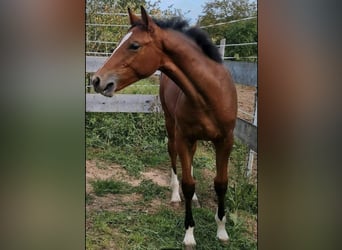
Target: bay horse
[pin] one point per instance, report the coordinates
(197, 94)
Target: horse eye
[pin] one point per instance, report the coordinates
(134, 46)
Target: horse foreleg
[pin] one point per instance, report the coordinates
(175, 197)
(223, 149)
(186, 149)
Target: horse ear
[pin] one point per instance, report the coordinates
(146, 19)
(133, 19)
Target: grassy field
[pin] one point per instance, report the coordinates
(127, 198)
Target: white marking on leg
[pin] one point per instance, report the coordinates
(189, 239)
(194, 198)
(222, 234)
(175, 187)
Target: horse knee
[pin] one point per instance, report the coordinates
(220, 187)
(188, 189)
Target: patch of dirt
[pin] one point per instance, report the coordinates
(158, 176)
(113, 202)
(97, 170)
(246, 98)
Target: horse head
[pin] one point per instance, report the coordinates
(137, 56)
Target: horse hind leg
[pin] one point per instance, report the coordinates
(175, 197)
(194, 198)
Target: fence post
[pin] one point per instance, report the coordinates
(89, 84)
(222, 47)
(251, 152)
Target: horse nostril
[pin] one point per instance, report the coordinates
(96, 81)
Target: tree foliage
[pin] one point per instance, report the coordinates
(221, 11)
(105, 18)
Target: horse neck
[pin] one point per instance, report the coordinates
(195, 73)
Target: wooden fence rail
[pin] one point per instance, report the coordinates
(244, 130)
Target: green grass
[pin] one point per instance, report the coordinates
(147, 188)
(137, 141)
(149, 86)
(130, 140)
(133, 159)
(102, 187)
(164, 229)
(150, 190)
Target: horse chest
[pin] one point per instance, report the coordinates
(198, 127)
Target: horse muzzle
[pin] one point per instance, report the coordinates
(106, 89)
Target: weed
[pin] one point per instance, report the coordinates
(242, 194)
(102, 187)
(203, 161)
(150, 190)
(242, 197)
(131, 140)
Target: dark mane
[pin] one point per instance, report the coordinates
(199, 36)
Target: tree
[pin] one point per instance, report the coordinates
(107, 21)
(221, 11)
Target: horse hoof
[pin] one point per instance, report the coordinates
(175, 204)
(223, 239)
(189, 239)
(176, 200)
(190, 247)
(223, 236)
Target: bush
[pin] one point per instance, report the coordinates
(242, 194)
(132, 140)
(124, 129)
